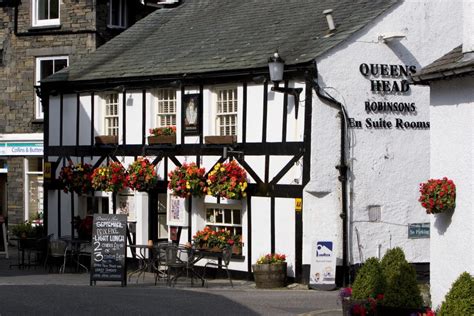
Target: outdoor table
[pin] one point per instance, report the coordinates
(74, 245)
(142, 253)
(23, 245)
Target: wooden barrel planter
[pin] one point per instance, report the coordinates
(269, 276)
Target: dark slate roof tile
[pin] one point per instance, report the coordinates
(453, 63)
(203, 36)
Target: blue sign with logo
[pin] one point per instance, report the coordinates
(324, 249)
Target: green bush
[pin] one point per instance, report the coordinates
(401, 286)
(391, 259)
(369, 280)
(460, 298)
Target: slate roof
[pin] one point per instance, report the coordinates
(205, 36)
(451, 64)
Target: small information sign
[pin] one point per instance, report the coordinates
(419, 230)
(109, 245)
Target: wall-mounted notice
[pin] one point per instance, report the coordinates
(109, 245)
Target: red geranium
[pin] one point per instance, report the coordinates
(187, 180)
(76, 178)
(111, 178)
(141, 175)
(438, 195)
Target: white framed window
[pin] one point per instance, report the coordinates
(224, 216)
(117, 14)
(166, 108)
(46, 66)
(34, 197)
(111, 114)
(45, 12)
(226, 111)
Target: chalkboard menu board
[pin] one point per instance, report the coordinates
(109, 248)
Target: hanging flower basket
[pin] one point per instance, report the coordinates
(227, 180)
(141, 175)
(111, 178)
(438, 195)
(76, 178)
(187, 180)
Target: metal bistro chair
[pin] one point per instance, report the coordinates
(57, 252)
(159, 262)
(226, 256)
(180, 261)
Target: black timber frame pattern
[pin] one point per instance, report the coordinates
(265, 187)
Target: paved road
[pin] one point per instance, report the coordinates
(36, 292)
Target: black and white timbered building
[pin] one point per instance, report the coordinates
(325, 136)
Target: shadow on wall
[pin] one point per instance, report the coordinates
(442, 221)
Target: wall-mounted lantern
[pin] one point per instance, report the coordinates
(276, 66)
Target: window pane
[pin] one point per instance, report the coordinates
(236, 215)
(54, 9)
(60, 64)
(219, 217)
(210, 215)
(42, 9)
(46, 68)
(228, 216)
(35, 196)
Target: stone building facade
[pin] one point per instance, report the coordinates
(38, 38)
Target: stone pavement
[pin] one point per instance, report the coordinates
(35, 276)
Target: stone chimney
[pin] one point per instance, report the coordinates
(468, 29)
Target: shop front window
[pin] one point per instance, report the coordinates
(224, 217)
(34, 196)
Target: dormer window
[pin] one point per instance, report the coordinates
(45, 12)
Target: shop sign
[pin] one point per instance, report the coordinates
(323, 265)
(390, 82)
(21, 149)
(419, 230)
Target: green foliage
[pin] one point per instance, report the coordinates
(401, 286)
(27, 230)
(369, 281)
(460, 298)
(402, 289)
(391, 259)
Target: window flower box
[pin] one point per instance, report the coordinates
(220, 140)
(106, 140)
(163, 139)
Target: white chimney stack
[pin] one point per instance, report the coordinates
(468, 29)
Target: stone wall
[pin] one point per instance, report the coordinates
(82, 29)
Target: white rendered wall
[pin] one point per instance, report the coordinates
(387, 164)
(452, 156)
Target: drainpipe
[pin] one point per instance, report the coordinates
(342, 167)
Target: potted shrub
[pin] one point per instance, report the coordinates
(187, 180)
(402, 295)
(460, 298)
(141, 175)
(162, 135)
(76, 178)
(270, 271)
(110, 178)
(227, 180)
(438, 195)
(367, 290)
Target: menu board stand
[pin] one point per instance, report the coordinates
(109, 248)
